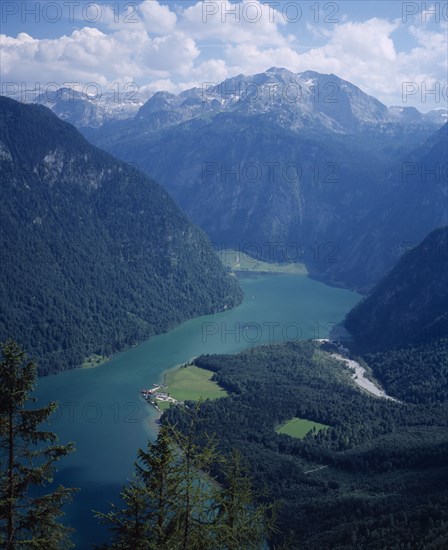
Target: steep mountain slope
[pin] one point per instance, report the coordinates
(413, 200)
(401, 329)
(410, 305)
(95, 255)
(248, 182)
(278, 161)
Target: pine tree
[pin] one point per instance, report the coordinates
(174, 503)
(168, 505)
(238, 522)
(159, 471)
(194, 506)
(130, 524)
(28, 456)
(148, 519)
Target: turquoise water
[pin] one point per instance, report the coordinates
(101, 409)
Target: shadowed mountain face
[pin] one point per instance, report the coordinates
(412, 201)
(401, 328)
(293, 167)
(96, 256)
(410, 305)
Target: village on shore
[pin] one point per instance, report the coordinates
(156, 394)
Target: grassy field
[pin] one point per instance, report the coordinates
(239, 261)
(94, 361)
(192, 383)
(163, 405)
(298, 427)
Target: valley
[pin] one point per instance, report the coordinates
(224, 276)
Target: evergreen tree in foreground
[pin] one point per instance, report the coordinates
(174, 503)
(238, 523)
(27, 459)
(147, 520)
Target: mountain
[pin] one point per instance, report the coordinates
(95, 255)
(293, 101)
(401, 329)
(88, 111)
(410, 305)
(290, 100)
(412, 115)
(286, 166)
(413, 201)
(301, 100)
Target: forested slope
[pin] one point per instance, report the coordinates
(376, 478)
(95, 255)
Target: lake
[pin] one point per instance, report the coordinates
(101, 409)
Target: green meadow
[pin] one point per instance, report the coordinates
(94, 360)
(239, 261)
(192, 383)
(299, 427)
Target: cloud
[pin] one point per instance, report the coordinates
(158, 45)
(174, 52)
(157, 19)
(248, 22)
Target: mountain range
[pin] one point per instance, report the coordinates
(290, 167)
(97, 256)
(301, 98)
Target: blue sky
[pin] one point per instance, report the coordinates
(388, 48)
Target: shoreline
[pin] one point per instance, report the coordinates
(162, 383)
(175, 367)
